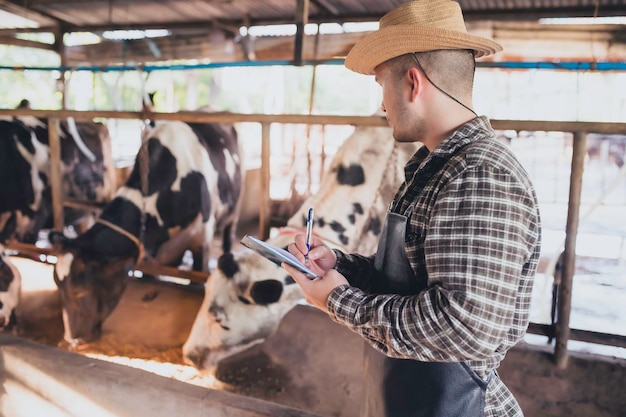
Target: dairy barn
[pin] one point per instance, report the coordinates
(143, 139)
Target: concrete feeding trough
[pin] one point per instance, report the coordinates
(39, 380)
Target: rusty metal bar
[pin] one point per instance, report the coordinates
(579, 147)
(587, 336)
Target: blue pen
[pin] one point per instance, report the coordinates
(309, 230)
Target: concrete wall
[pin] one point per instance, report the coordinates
(39, 380)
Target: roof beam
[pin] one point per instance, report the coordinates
(326, 6)
(10, 40)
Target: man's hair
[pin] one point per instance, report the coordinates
(452, 70)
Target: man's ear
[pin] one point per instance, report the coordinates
(416, 80)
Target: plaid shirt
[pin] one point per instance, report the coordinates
(473, 240)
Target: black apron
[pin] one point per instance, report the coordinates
(403, 387)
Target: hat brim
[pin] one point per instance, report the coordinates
(375, 48)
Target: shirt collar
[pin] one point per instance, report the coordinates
(472, 131)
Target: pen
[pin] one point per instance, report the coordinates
(309, 230)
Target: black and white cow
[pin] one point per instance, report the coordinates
(10, 287)
(194, 183)
(88, 172)
(246, 297)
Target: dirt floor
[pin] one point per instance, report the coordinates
(151, 323)
(311, 363)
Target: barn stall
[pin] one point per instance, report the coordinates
(272, 371)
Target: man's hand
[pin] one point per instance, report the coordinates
(321, 258)
(316, 291)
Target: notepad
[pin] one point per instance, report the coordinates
(276, 254)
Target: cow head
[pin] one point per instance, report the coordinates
(10, 285)
(90, 286)
(245, 299)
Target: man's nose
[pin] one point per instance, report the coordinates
(382, 107)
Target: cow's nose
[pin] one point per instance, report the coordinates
(218, 315)
(195, 357)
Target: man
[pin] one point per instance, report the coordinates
(449, 290)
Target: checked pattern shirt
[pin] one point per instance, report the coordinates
(473, 242)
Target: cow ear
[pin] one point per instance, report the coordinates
(289, 280)
(266, 292)
(227, 264)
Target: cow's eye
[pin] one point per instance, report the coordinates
(244, 300)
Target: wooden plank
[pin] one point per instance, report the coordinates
(204, 117)
(83, 205)
(225, 117)
(41, 253)
(156, 269)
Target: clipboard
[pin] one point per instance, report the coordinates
(275, 254)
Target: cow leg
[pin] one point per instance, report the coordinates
(198, 260)
(201, 256)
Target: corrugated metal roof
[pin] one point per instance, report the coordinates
(210, 28)
(76, 14)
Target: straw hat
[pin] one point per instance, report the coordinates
(417, 26)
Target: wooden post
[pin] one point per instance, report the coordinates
(302, 18)
(264, 192)
(55, 172)
(569, 254)
(59, 47)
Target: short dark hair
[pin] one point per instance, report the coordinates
(450, 69)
